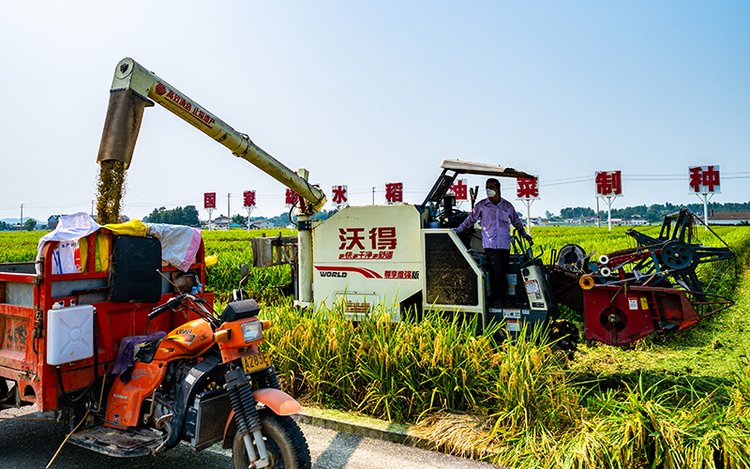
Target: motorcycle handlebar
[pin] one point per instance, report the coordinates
(170, 304)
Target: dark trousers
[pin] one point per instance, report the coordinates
(499, 260)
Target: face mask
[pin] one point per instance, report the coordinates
(491, 193)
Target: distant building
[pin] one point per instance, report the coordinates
(262, 225)
(729, 218)
(221, 222)
(52, 221)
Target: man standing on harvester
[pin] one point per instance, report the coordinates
(497, 214)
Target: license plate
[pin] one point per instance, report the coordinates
(255, 362)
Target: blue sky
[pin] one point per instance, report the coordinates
(367, 93)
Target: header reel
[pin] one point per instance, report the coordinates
(664, 284)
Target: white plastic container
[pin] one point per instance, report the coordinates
(70, 334)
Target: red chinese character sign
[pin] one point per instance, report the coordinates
(248, 201)
(527, 191)
(290, 198)
(608, 186)
(460, 189)
(704, 182)
(378, 243)
(209, 203)
(209, 200)
(394, 192)
(340, 196)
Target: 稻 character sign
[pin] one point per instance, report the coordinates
(394, 192)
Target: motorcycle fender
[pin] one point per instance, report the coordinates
(279, 402)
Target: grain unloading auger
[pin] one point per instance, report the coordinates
(134, 88)
(654, 287)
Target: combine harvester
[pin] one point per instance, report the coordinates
(407, 256)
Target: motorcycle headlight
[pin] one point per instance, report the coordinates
(252, 331)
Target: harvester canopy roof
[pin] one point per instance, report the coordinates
(467, 167)
(453, 168)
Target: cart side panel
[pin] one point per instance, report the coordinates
(26, 298)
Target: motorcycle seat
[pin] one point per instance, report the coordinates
(126, 353)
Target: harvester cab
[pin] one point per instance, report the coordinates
(529, 299)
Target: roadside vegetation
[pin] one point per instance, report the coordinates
(680, 402)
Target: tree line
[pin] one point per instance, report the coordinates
(177, 216)
(28, 225)
(189, 216)
(651, 212)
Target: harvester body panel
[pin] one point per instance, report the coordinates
(368, 256)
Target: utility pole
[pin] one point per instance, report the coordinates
(229, 209)
(21, 215)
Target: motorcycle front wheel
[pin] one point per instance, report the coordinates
(285, 443)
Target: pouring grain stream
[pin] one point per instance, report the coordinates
(110, 189)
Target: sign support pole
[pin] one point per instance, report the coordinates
(210, 224)
(527, 203)
(609, 212)
(705, 197)
(249, 211)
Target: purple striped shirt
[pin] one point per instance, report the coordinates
(496, 221)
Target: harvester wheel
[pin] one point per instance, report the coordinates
(564, 337)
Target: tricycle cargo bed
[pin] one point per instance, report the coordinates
(27, 297)
(18, 267)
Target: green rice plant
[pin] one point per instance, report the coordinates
(531, 389)
(312, 352)
(412, 368)
(741, 395)
(19, 246)
(232, 249)
(644, 427)
(393, 370)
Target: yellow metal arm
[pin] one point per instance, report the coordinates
(132, 88)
